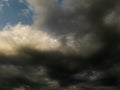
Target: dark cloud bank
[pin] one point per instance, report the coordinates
(32, 69)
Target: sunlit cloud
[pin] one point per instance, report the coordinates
(13, 37)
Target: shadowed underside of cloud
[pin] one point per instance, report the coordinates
(77, 48)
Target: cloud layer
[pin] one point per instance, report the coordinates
(70, 46)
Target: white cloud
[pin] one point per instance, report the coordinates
(5, 0)
(21, 1)
(1, 6)
(14, 37)
(25, 12)
(3, 3)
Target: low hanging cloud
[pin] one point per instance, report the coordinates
(22, 35)
(30, 58)
(15, 37)
(69, 46)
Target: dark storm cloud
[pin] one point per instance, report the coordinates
(73, 63)
(68, 17)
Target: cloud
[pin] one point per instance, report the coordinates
(20, 35)
(34, 59)
(3, 3)
(67, 47)
(21, 1)
(64, 18)
(25, 12)
(1, 6)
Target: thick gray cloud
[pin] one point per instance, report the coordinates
(68, 17)
(73, 45)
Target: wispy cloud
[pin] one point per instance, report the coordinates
(1, 6)
(25, 12)
(3, 3)
(21, 1)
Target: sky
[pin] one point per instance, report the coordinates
(59, 44)
(16, 11)
(13, 12)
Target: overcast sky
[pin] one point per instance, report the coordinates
(47, 43)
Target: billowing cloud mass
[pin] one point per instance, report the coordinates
(68, 15)
(71, 45)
